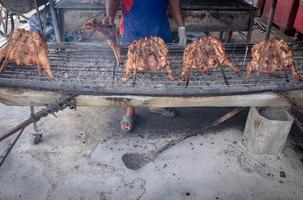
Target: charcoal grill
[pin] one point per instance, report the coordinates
(88, 74)
(89, 69)
(217, 16)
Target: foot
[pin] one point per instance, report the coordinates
(127, 122)
(166, 112)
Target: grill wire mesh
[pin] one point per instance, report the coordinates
(91, 69)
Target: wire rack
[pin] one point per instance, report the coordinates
(88, 68)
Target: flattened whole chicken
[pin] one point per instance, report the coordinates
(204, 54)
(272, 55)
(26, 48)
(148, 54)
(107, 32)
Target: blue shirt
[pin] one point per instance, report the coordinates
(146, 18)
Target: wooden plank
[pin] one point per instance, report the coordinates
(19, 97)
(13, 97)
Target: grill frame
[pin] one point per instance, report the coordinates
(89, 69)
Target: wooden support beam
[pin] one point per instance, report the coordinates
(19, 97)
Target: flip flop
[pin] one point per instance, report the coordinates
(130, 120)
(166, 112)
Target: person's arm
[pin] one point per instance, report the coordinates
(176, 11)
(111, 7)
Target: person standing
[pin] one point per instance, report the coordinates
(140, 19)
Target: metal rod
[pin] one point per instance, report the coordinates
(33, 115)
(6, 22)
(2, 21)
(221, 67)
(114, 73)
(11, 147)
(223, 74)
(55, 21)
(9, 52)
(270, 19)
(36, 55)
(39, 17)
(23, 16)
(19, 127)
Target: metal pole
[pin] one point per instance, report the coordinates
(11, 147)
(20, 127)
(55, 21)
(270, 19)
(33, 115)
(39, 17)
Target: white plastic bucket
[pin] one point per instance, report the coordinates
(266, 132)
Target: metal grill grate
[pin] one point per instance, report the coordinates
(90, 69)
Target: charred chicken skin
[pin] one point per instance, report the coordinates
(107, 32)
(271, 55)
(26, 48)
(205, 54)
(148, 54)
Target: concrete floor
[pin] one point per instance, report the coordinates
(80, 158)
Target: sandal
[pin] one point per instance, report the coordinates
(128, 120)
(166, 112)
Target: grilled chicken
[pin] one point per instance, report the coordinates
(26, 48)
(205, 54)
(147, 54)
(107, 32)
(272, 55)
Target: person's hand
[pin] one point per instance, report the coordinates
(182, 36)
(108, 19)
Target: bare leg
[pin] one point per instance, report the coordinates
(130, 111)
(128, 122)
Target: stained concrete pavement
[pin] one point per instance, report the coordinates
(80, 158)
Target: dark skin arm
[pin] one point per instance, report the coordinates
(176, 11)
(111, 10)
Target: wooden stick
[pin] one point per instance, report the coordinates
(220, 66)
(10, 51)
(36, 54)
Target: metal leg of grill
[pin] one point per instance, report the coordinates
(270, 19)
(221, 35)
(227, 36)
(55, 21)
(37, 134)
(39, 17)
(250, 30)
